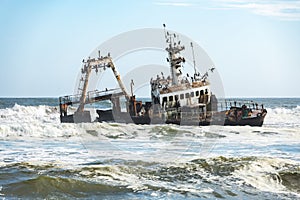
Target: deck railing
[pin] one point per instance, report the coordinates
(226, 104)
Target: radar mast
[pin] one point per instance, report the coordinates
(174, 48)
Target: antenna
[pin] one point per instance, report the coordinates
(194, 62)
(165, 30)
(168, 36)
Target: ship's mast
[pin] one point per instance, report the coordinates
(194, 61)
(174, 48)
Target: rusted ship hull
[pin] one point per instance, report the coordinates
(218, 118)
(254, 121)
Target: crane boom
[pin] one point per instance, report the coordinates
(100, 63)
(118, 77)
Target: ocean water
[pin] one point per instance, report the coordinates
(40, 158)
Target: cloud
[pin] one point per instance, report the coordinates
(282, 9)
(173, 3)
(181, 3)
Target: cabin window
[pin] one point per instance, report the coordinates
(181, 96)
(176, 97)
(192, 94)
(170, 98)
(197, 93)
(165, 99)
(201, 92)
(206, 92)
(187, 95)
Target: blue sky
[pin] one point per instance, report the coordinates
(255, 45)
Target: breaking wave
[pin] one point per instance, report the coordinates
(280, 116)
(32, 121)
(218, 177)
(43, 121)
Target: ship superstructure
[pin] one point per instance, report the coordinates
(176, 93)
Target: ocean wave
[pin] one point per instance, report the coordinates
(271, 175)
(221, 177)
(283, 117)
(281, 110)
(44, 186)
(44, 121)
(32, 121)
(22, 114)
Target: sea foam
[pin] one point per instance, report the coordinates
(33, 121)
